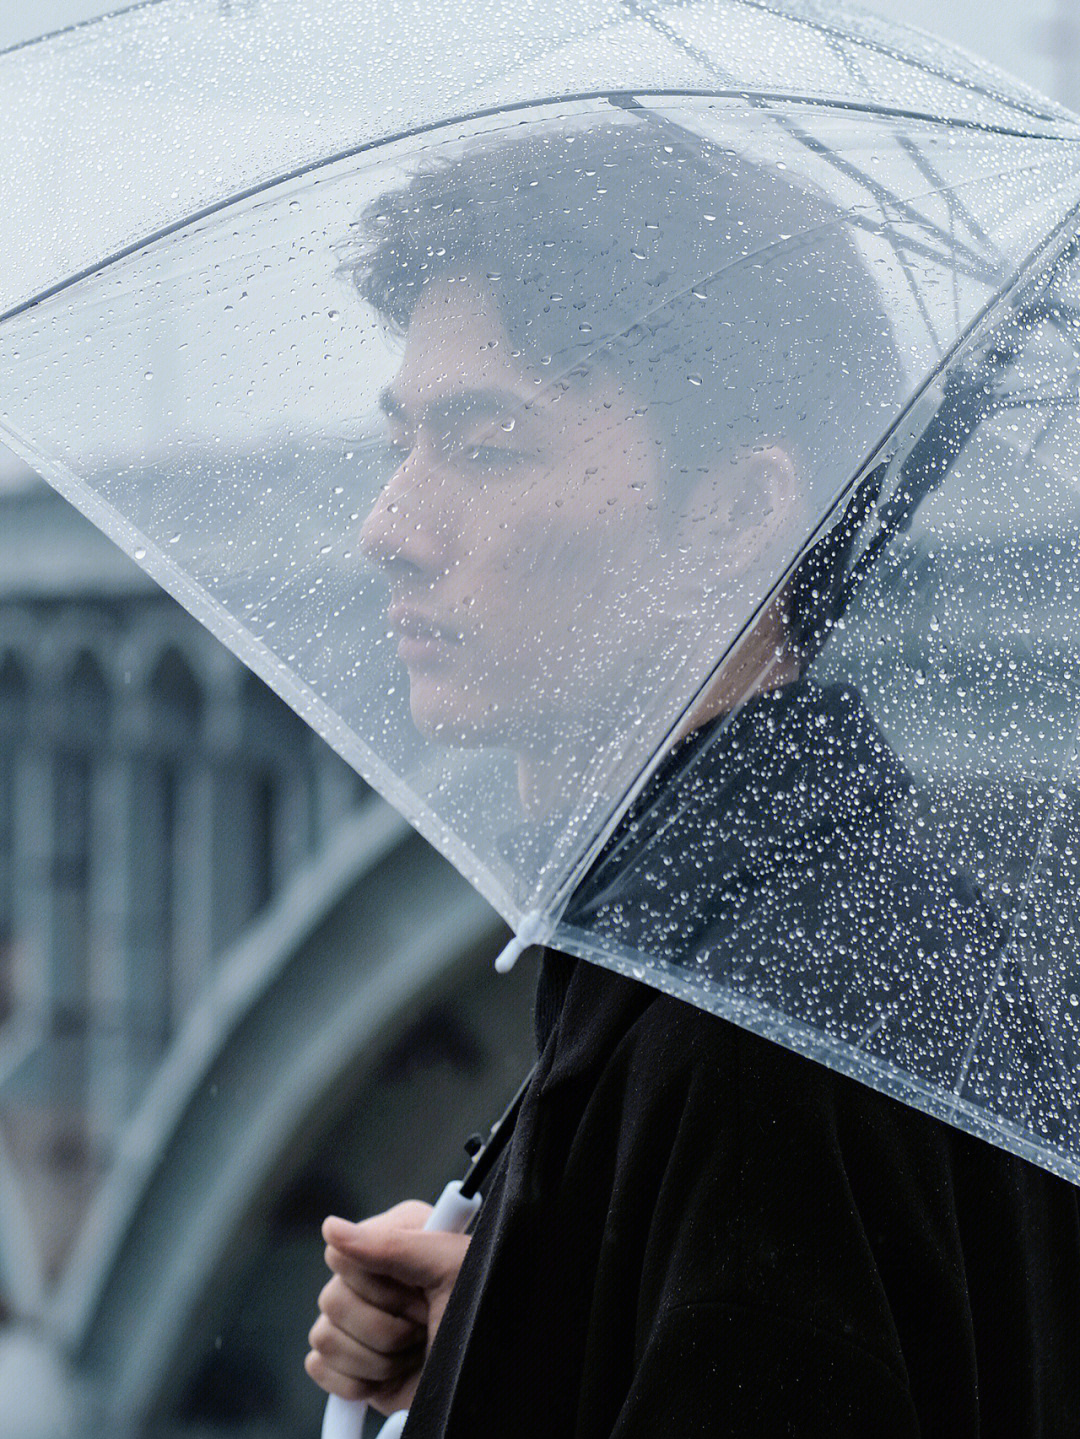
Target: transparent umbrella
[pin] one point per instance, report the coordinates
(642, 439)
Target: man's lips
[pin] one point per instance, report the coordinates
(420, 638)
(415, 625)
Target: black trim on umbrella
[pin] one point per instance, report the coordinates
(970, 397)
(483, 1159)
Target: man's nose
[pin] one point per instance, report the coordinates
(403, 527)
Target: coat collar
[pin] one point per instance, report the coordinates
(732, 798)
(720, 818)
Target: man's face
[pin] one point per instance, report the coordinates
(521, 535)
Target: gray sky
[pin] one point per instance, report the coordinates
(21, 20)
(1038, 40)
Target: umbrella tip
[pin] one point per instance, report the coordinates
(533, 929)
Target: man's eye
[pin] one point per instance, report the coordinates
(389, 456)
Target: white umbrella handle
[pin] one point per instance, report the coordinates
(344, 1418)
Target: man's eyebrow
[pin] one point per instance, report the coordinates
(476, 404)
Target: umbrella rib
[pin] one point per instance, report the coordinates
(884, 198)
(921, 162)
(930, 172)
(491, 112)
(877, 48)
(776, 245)
(78, 25)
(1008, 940)
(880, 192)
(1049, 251)
(865, 42)
(1007, 952)
(975, 268)
(882, 195)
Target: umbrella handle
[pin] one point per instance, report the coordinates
(344, 1418)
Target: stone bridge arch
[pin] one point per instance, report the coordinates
(373, 963)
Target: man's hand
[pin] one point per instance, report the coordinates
(380, 1311)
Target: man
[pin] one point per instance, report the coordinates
(694, 1231)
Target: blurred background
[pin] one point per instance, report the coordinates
(236, 991)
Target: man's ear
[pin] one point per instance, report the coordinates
(748, 502)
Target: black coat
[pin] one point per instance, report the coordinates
(698, 1232)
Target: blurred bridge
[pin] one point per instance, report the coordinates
(236, 993)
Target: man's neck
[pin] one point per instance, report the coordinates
(548, 781)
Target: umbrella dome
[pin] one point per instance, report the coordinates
(126, 126)
(495, 384)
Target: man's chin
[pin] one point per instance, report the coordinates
(446, 717)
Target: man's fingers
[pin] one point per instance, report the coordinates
(386, 1398)
(328, 1378)
(370, 1324)
(380, 1311)
(402, 1300)
(358, 1361)
(409, 1214)
(411, 1256)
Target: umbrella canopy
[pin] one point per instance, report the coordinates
(642, 440)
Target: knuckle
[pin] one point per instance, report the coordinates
(334, 1382)
(341, 1264)
(333, 1301)
(379, 1367)
(411, 1213)
(401, 1333)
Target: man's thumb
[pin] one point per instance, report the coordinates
(418, 1258)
